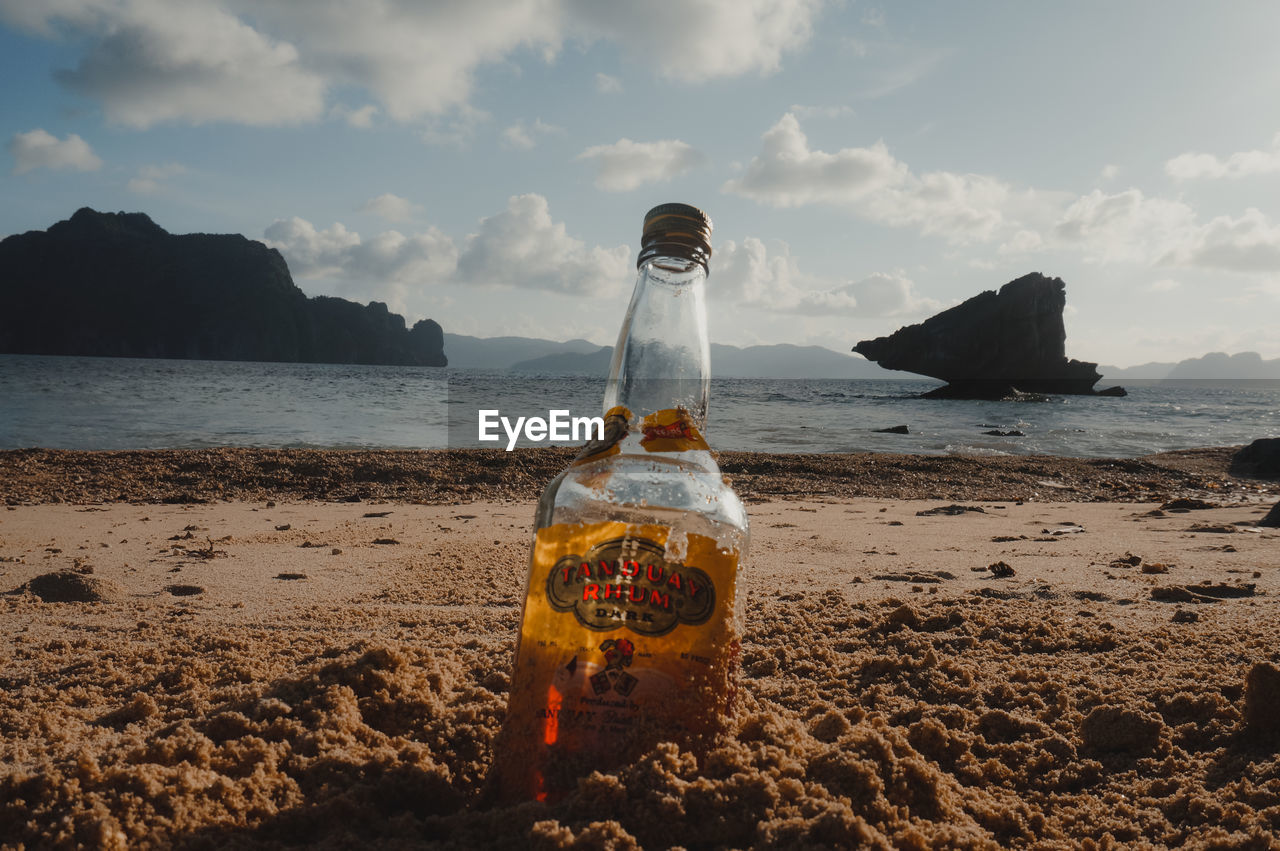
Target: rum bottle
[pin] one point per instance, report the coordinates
(632, 618)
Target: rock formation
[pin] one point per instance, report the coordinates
(117, 284)
(1258, 460)
(995, 345)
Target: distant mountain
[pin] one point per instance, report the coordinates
(570, 363)
(118, 284)
(504, 352)
(778, 361)
(1215, 365)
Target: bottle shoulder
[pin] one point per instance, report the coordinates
(675, 488)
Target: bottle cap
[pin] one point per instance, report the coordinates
(676, 230)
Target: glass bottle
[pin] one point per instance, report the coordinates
(633, 611)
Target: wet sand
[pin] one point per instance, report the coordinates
(266, 669)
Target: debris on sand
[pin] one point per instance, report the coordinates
(950, 510)
(70, 586)
(1000, 570)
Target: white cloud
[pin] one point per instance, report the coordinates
(525, 136)
(311, 252)
(1240, 164)
(747, 274)
(959, 207)
(522, 247)
(1022, 242)
(801, 111)
(1124, 226)
(1109, 172)
(41, 149)
(872, 183)
(391, 207)
(1130, 227)
(275, 61)
(1250, 243)
(1164, 285)
(696, 40)
(150, 178)
(391, 267)
(889, 295)
(150, 62)
(625, 164)
(607, 85)
(787, 173)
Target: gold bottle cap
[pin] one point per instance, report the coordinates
(676, 230)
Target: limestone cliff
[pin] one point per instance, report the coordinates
(992, 345)
(117, 284)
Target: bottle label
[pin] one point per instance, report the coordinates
(671, 430)
(615, 431)
(628, 638)
(629, 582)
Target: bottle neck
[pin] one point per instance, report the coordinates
(663, 359)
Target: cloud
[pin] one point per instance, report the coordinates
(801, 111)
(149, 62)
(1124, 226)
(746, 274)
(525, 136)
(519, 247)
(871, 182)
(150, 178)
(626, 165)
(697, 40)
(889, 295)
(1250, 243)
(1131, 227)
(1164, 285)
(1240, 164)
(1022, 242)
(276, 61)
(383, 266)
(391, 207)
(390, 267)
(41, 149)
(522, 247)
(786, 173)
(607, 85)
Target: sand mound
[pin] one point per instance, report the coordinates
(961, 724)
(68, 586)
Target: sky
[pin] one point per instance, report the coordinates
(487, 163)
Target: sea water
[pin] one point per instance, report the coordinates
(124, 403)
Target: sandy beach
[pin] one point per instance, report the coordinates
(247, 648)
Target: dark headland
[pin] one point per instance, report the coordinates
(119, 285)
(992, 346)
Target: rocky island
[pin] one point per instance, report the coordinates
(119, 285)
(995, 345)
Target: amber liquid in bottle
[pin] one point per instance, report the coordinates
(632, 616)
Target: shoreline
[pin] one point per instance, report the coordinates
(37, 476)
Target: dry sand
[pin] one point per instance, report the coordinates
(273, 670)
